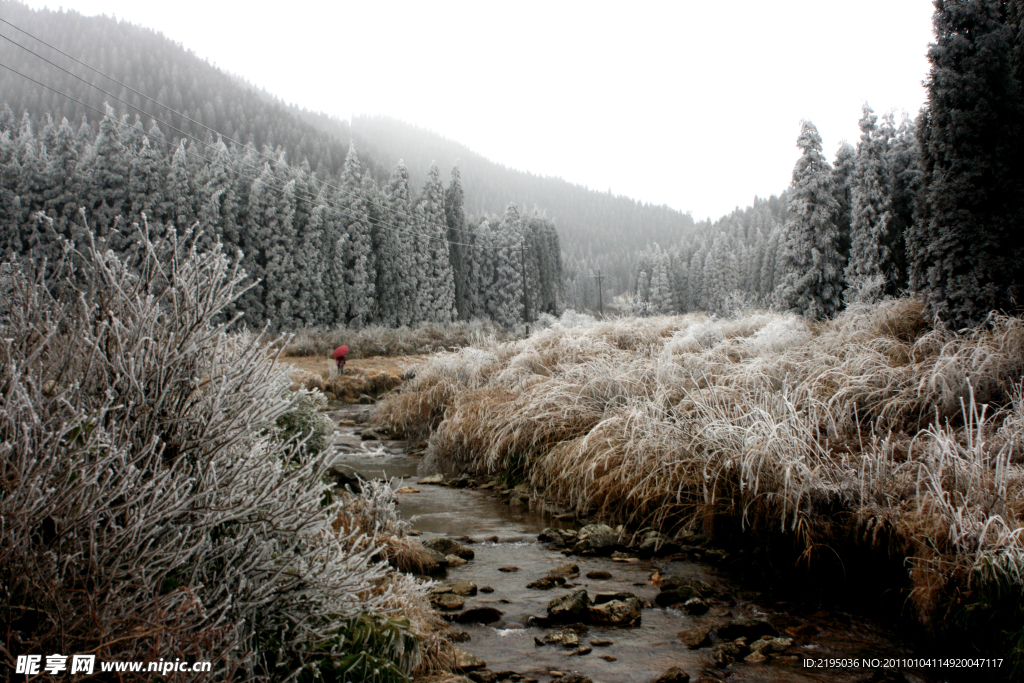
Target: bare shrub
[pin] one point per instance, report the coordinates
(147, 509)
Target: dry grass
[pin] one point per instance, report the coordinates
(376, 340)
(875, 419)
(370, 376)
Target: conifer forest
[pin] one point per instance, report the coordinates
(793, 432)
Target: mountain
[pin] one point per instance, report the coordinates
(597, 227)
(598, 230)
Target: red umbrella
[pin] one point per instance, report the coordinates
(340, 351)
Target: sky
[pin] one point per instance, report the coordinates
(693, 104)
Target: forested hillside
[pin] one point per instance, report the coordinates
(598, 230)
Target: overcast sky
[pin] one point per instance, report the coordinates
(693, 104)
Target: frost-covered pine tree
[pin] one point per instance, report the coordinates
(661, 295)
(397, 265)
(146, 176)
(966, 250)
(871, 214)
(217, 204)
(695, 285)
(812, 269)
(436, 289)
(350, 244)
(721, 274)
(179, 194)
(842, 172)
(505, 295)
(107, 174)
(772, 256)
(461, 256)
(64, 182)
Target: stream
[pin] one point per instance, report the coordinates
(503, 535)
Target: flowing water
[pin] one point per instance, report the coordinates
(506, 536)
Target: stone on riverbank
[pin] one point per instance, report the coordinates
(676, 589)
(447, 546)
(480, 615)
(749, 628)
(615, 609)
(547, 583)
(599, 575)
(447, 601)
(566, 571)
(466, 662)
(458, 588)
(696, 637)
(436, 479)
(673, 675)
(569, 608)
(454, 560)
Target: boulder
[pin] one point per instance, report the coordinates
(508, 570)
(436, 479)
(725, 654)
(447, 601)
(454, 560)
(575, 678)
(565, 571)
(566, 637)
(599, 575)
(750, 628)
(483, 676)
(371, 434)
(770, 645)
(580, 651)
(624, 612)
(597, 544)
(595, 529)
(547, 583)
(465, 662)
(569, 608)
(656, 543)
(458, 588)
(344, 479)
(673, 675)
(676, 589)
(447, 546)
(480, 615)
(695, 637)
(695, 606)
(756, 658)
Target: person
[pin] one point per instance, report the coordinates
(339, 356)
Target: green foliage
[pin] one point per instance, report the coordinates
(367, 648)
(306, 422)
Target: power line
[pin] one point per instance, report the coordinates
(345, 210)
(170, 109)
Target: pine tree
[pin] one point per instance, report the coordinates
(352, 246)
(107, 173)
(396, 262)
(147, 175)
(436, 289)
(869, 263)
(217, 202)
(966, 252)
(179, 195)
(811, 281)
(460, 256)
(843, 170)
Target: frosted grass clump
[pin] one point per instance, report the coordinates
(781, 334)
(700, 335)
(568, 320)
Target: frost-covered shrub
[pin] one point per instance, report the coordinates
(147, 509)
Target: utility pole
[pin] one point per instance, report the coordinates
(600, 297)
(526, 296)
